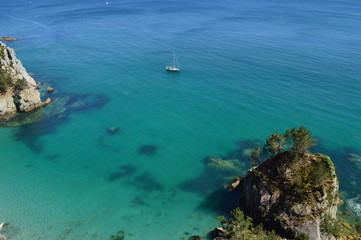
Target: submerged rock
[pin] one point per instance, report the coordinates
(112, 130)
(292, 193)
(224, 165)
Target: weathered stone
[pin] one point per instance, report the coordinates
(8, 39)
(50, 89)
(218, 233)
(292, 193)
(17, 100)
(195, 238)
(233, 185)
(7, 105)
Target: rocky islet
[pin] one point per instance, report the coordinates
(21, 92)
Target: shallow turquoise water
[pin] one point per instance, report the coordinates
(248, 69)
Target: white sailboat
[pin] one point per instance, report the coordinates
(175, 67)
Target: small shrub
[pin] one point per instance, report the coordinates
(21, 83)
(358, 228)
(302, 236)
(5, 80)
(2, 54)
(332, 227)
(241, 227)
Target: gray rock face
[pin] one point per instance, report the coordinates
(7, 105)
(13, 100)
(292, 193)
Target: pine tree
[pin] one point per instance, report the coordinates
(300, 139)
(255, 158)
(275, 143)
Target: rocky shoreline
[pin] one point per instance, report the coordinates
(18, 90)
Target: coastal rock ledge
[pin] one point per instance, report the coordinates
(293, 193)
(18, 90)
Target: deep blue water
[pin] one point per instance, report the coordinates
(249, 68)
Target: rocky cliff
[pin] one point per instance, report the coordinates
(293, 193)
(18, 90)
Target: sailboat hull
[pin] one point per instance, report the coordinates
(172, 69)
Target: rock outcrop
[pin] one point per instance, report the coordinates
(19, 90)
(293, 193)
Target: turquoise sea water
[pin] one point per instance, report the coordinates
(249, 68)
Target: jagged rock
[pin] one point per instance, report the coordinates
(15, 99)
(7, 105)
(218, 234)
(234, 184)
(50, 89)
(8, 39)
(292, 193)
(195, 238)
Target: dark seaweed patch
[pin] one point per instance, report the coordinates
(146, 182)
(31, 126)
(126, 170)
(147, 150)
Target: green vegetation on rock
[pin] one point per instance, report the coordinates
(298, 140)
(5, 80)
(289, 190)
(241, 227)
(20, 83)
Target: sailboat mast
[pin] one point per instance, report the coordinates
(176, 64)
(174, 59)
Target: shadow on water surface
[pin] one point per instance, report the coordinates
(220, 201)
(45, 121)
